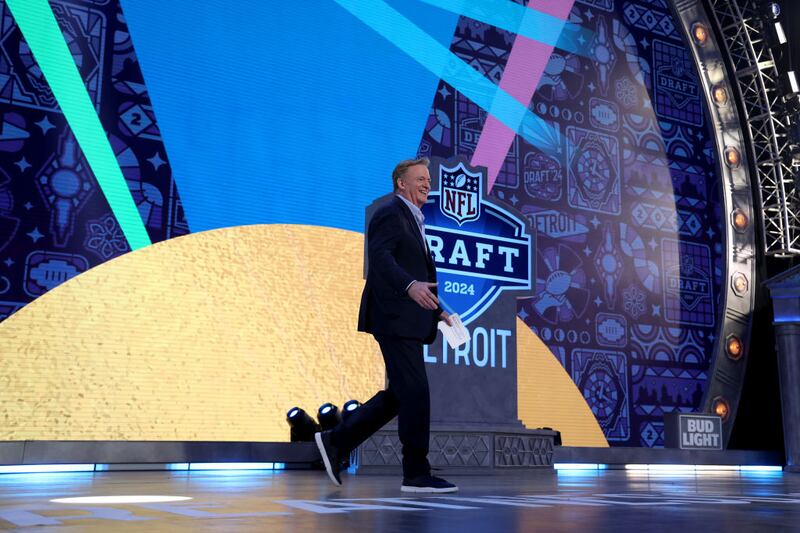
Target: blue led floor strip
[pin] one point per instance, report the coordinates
(101, 467)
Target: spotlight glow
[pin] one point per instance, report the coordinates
(734, 349)
(700, 33)
(121, 499)
(740, 220)
(732, 156)
(793, 82)
(720, 95)
(781, 34)
(721, 407)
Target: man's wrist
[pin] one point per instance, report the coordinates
(413, 281)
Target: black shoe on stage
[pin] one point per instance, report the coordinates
(428, 483)
(330, 456)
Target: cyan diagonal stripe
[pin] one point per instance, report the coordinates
(435, 57)
(516, 18)
(40, 30)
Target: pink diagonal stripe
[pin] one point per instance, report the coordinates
(524, 69)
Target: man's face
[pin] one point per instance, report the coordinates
(415, 185)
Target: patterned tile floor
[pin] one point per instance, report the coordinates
(611, 500)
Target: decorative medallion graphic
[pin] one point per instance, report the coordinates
(602, 379)
(65, 185)
(677, 87)
(561, 293)
(593, 171)
(687, 297)
(543, 176)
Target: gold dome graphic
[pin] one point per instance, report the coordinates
(214, 336)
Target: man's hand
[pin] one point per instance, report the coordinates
(420, 292)
(445, 317)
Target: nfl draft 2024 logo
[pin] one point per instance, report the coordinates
(479, 246)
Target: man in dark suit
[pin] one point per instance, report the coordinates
(399, 307)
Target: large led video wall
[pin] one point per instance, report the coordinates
(227, 114)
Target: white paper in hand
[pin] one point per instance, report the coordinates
(456, 334)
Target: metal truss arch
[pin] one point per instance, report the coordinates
(742, 26)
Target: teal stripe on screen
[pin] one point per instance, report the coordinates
(40, 30)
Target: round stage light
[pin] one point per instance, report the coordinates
(720, 95)
(349, 407)
(775, 9)
(700, 33)
(734, 347)
(328, 416)
(301, 426)
(732, 157)
(740, 284)
(721, 408)
(740, 220)
(121, 499)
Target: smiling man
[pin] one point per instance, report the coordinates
(400, 308)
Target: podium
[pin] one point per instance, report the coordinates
(483, 249)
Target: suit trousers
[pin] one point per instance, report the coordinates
(407, 396)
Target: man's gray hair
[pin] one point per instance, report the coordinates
(404, 165)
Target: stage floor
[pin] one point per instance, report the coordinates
(611, 500)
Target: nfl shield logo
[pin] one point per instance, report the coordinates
(461, 193)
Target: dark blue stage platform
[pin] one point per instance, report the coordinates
(655, 499)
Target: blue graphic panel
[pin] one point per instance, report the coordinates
(291, 113)
(627, 254)
(677, 86)
(688, 295)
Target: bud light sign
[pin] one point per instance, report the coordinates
(480, 247)
(690, 431)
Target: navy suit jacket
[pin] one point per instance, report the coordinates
(396, 256)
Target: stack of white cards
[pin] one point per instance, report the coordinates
(456, 334)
